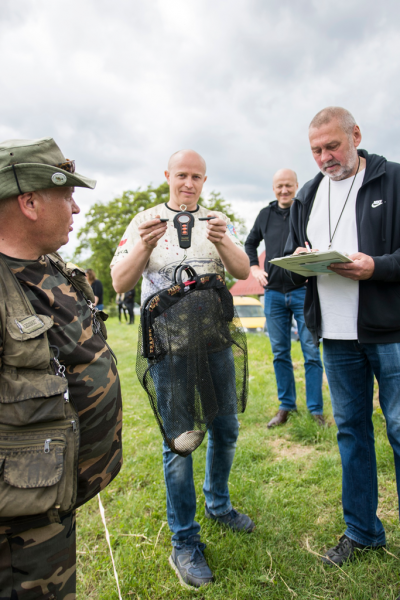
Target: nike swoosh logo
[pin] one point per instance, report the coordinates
(376, 203)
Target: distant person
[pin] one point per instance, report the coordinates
(352, 206)
(119, 299)
(129, 302)
(97, 288)
(282, 300)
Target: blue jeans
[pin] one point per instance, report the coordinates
(172, 380)
(176, 382)
(350, 368)
(178, 474)
(279, 309)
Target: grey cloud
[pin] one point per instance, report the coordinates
(121, 87)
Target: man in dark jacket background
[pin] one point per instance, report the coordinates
(352, 206)
(282, 300)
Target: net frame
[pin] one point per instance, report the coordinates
(190, 380)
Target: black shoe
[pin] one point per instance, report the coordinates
(188, 562)
(344, 551)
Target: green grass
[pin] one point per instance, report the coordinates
(287, 479)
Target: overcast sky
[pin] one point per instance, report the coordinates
(122, 85)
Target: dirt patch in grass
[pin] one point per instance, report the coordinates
(283, 448)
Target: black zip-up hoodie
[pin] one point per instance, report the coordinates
(272, 226)
(378, 228)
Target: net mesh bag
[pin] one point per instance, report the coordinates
(192, 358)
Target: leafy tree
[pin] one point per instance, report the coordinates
(106, 223)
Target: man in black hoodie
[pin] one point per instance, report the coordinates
(352, 206)
(282, 300)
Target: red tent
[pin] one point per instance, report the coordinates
(249, 286)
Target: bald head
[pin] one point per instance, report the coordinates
(285, 186)
(285, 173)
(186, 176)
(183, 154)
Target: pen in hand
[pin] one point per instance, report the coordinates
(307, 245)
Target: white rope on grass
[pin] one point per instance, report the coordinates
(103, 518)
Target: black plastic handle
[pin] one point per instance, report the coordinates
(180, 269)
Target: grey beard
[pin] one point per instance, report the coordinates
(344, 171)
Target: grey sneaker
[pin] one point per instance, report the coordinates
(188, 562)
(234, 519)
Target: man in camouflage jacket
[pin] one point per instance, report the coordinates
(60, 399)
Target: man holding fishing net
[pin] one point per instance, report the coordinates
(154, 245)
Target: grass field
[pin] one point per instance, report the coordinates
(287, 479)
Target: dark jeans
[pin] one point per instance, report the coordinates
(350, 368)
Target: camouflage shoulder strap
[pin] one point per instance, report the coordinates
(77, 278)
(75, 275)
(16, 296)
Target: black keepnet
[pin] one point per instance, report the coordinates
(192, 357)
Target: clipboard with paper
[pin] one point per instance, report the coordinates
(309, 264)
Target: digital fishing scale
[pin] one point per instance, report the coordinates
(184, 223)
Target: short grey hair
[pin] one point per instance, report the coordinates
(326, 115)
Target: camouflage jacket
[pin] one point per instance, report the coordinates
(58, 381)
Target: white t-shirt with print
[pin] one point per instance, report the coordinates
(167, 255)
(338, 296)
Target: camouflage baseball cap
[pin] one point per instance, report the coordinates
(30, 165)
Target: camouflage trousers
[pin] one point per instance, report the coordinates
(39, 563)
